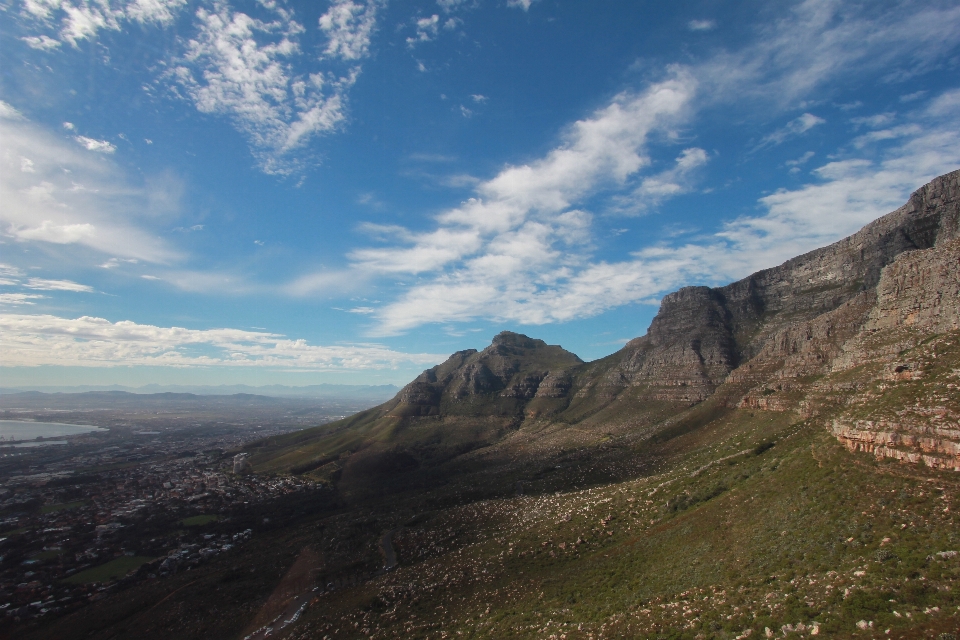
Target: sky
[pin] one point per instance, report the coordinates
(270, 192)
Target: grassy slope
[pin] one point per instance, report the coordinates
(702, 530)
(802, 532)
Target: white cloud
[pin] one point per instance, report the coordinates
(449, 5)
(328, 282)
(520, 4)
(821, 40)
(701, 25)
(7, 112)
(48, 231)
(801, 160)
(946, 104)
(113, 263)
(19, 298)
(520, 252)
(427, 30)
(40, 284)
(669, 183)
(521, 235)
(82, 19)
(33, 340)
(479, 98)
(349, 27)
(240, 67)
(69, 126)
(887, 134)
(90, 144)
(43, 43)
(71, 197)
(794, 128)
(874, 121)
(10, 271)
(910, 97)
(159, 11)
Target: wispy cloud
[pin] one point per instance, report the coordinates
(239, 66)
(72, 197)
(82, 19)
(19, 298)
(793, 129)
(520, 237)
(668, 183)
(427, 30)
(43, 43)
(33, 340)
(522, 249)
(874, 121)
(349, 26)
(701, 25)
(450, 5)
(818, 41)
(91, 144)
(887, 134)
(801, 160)
(520, 4)
(41, 284)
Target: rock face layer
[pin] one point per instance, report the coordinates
(701, 335)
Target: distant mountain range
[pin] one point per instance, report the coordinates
(313, 392)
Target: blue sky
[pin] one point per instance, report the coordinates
(282, 192)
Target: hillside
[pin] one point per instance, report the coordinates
(754, 343)
(774, 458)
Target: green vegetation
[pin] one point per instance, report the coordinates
(116, 568)
(49, 508)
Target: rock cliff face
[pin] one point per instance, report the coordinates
(800, 312)
(920, 290)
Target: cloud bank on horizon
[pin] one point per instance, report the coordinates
(316, 169)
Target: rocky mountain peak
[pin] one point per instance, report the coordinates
(499, 379)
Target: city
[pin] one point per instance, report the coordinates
(156, 493)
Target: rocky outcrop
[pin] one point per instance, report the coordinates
(937, 447)
(498, 380)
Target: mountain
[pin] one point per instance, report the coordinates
(773, 458)
(756, 343)
(316, 391)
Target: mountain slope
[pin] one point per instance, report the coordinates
(749, 344)
(775, 458)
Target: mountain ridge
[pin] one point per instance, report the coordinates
(753, 343)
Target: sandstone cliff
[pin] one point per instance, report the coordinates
(701, 335)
